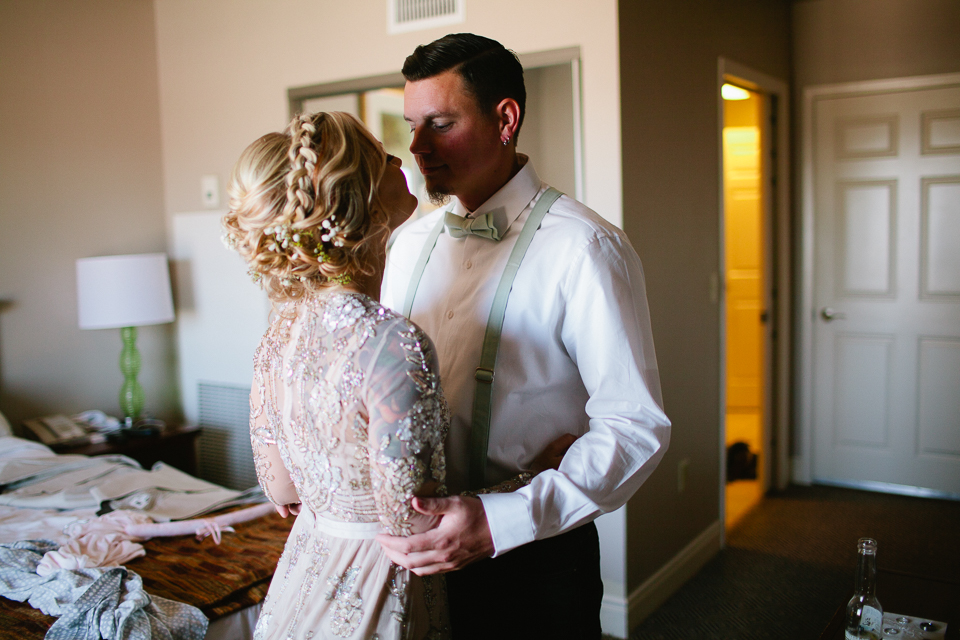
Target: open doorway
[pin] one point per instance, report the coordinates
(744, 284)
(755, 280)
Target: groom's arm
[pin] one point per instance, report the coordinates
(607, 333)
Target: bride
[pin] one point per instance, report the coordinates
(347, 415)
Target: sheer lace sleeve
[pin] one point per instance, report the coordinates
(272, 474)
(408, 422)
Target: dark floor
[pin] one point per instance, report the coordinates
(790, 563)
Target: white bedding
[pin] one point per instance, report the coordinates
(31, 524)
(33, 477)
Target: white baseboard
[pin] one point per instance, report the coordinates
(614, 617)
(618, 615)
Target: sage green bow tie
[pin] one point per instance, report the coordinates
(483, 226)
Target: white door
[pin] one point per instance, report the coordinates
(886, 291)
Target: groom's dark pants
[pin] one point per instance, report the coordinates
(546, 589)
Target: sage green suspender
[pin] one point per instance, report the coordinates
(483, 397)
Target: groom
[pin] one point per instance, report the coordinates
(575, 357)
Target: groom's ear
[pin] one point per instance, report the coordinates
(507, 113)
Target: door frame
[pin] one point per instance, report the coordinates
(802, 463)
(777, 279)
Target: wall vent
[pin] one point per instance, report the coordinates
(414, 15)
(226, 457)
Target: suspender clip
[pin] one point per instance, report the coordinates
(484, 375)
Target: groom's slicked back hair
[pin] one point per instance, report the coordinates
(490, 71)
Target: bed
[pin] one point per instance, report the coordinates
(226, 582)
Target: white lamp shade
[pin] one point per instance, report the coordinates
(124, 291)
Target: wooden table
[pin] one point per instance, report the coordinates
(176, 445)
(910, 595)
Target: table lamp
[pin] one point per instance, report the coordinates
(125, 292)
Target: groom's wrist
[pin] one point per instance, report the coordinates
(508, 517)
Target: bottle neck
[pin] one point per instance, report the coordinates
(867, 573)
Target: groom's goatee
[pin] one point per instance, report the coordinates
(438, 198)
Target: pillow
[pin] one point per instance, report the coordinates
(5, 429)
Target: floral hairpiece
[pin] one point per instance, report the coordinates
(333, 231)
(229, 240)
(285, 236)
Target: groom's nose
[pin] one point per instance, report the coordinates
(420, 144)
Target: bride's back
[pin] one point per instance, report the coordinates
(323, 368)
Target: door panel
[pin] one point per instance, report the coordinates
(941, 237)
(866, 213)
(863, 384)
(941, 131)
(887, 289)
(939, 402)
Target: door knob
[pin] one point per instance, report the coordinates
(829, 314)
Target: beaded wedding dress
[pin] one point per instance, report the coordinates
(347, 406)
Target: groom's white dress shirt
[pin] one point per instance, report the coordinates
(576, 356)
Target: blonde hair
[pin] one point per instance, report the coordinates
(304, 211)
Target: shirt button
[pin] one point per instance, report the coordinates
(468, 264)
(449, 315)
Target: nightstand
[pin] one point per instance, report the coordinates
(175, 445)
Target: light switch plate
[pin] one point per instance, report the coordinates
(210, 191)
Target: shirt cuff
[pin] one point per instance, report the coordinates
(508, 518)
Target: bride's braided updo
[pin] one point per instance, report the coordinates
(304, 211)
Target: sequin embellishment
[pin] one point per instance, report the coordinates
(348, 609)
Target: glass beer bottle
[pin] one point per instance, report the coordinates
(864, 614)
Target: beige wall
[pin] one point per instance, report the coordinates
(851, 40)
(668, 81)
(80, 175)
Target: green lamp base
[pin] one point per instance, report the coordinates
(131, 393)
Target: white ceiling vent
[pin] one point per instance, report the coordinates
(413, 15)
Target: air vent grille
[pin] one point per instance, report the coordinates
(226, 457)
(413, 15)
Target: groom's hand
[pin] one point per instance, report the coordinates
(461, 537)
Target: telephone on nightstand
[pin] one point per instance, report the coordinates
(58, 429)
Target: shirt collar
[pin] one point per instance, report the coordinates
(509, 202)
